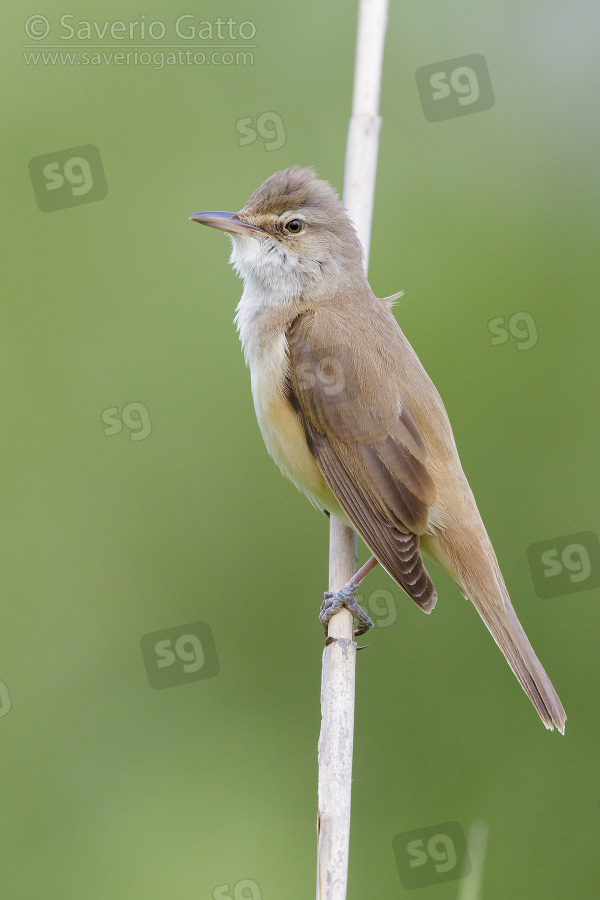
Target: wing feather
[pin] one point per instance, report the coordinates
(369, 450)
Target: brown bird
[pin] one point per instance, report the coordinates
(348, 412)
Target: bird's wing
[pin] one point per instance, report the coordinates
(366, 445)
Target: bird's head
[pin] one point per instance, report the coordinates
(292, 238)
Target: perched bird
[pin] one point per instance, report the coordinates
(348, 412)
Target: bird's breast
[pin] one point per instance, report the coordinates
(281, 427)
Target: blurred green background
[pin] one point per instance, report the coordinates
(207, 789)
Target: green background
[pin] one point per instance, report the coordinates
(111, 789)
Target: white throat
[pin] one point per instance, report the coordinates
(274, 281)
(279, 274)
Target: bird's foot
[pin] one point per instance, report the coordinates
(344, 597)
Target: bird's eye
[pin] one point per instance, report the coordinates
(294, 226)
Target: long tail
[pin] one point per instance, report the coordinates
(508, 633)
(482, 583)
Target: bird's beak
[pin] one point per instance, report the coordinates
(225, 221)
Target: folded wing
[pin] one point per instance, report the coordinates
(368, 448)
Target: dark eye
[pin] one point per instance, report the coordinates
(294, 226)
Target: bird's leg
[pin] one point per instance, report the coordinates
(345, 597)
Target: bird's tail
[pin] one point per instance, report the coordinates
(484, 586)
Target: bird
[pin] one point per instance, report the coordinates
(349, 414)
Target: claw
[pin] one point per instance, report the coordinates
(344, 597)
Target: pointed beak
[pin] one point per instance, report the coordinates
(225, 221)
